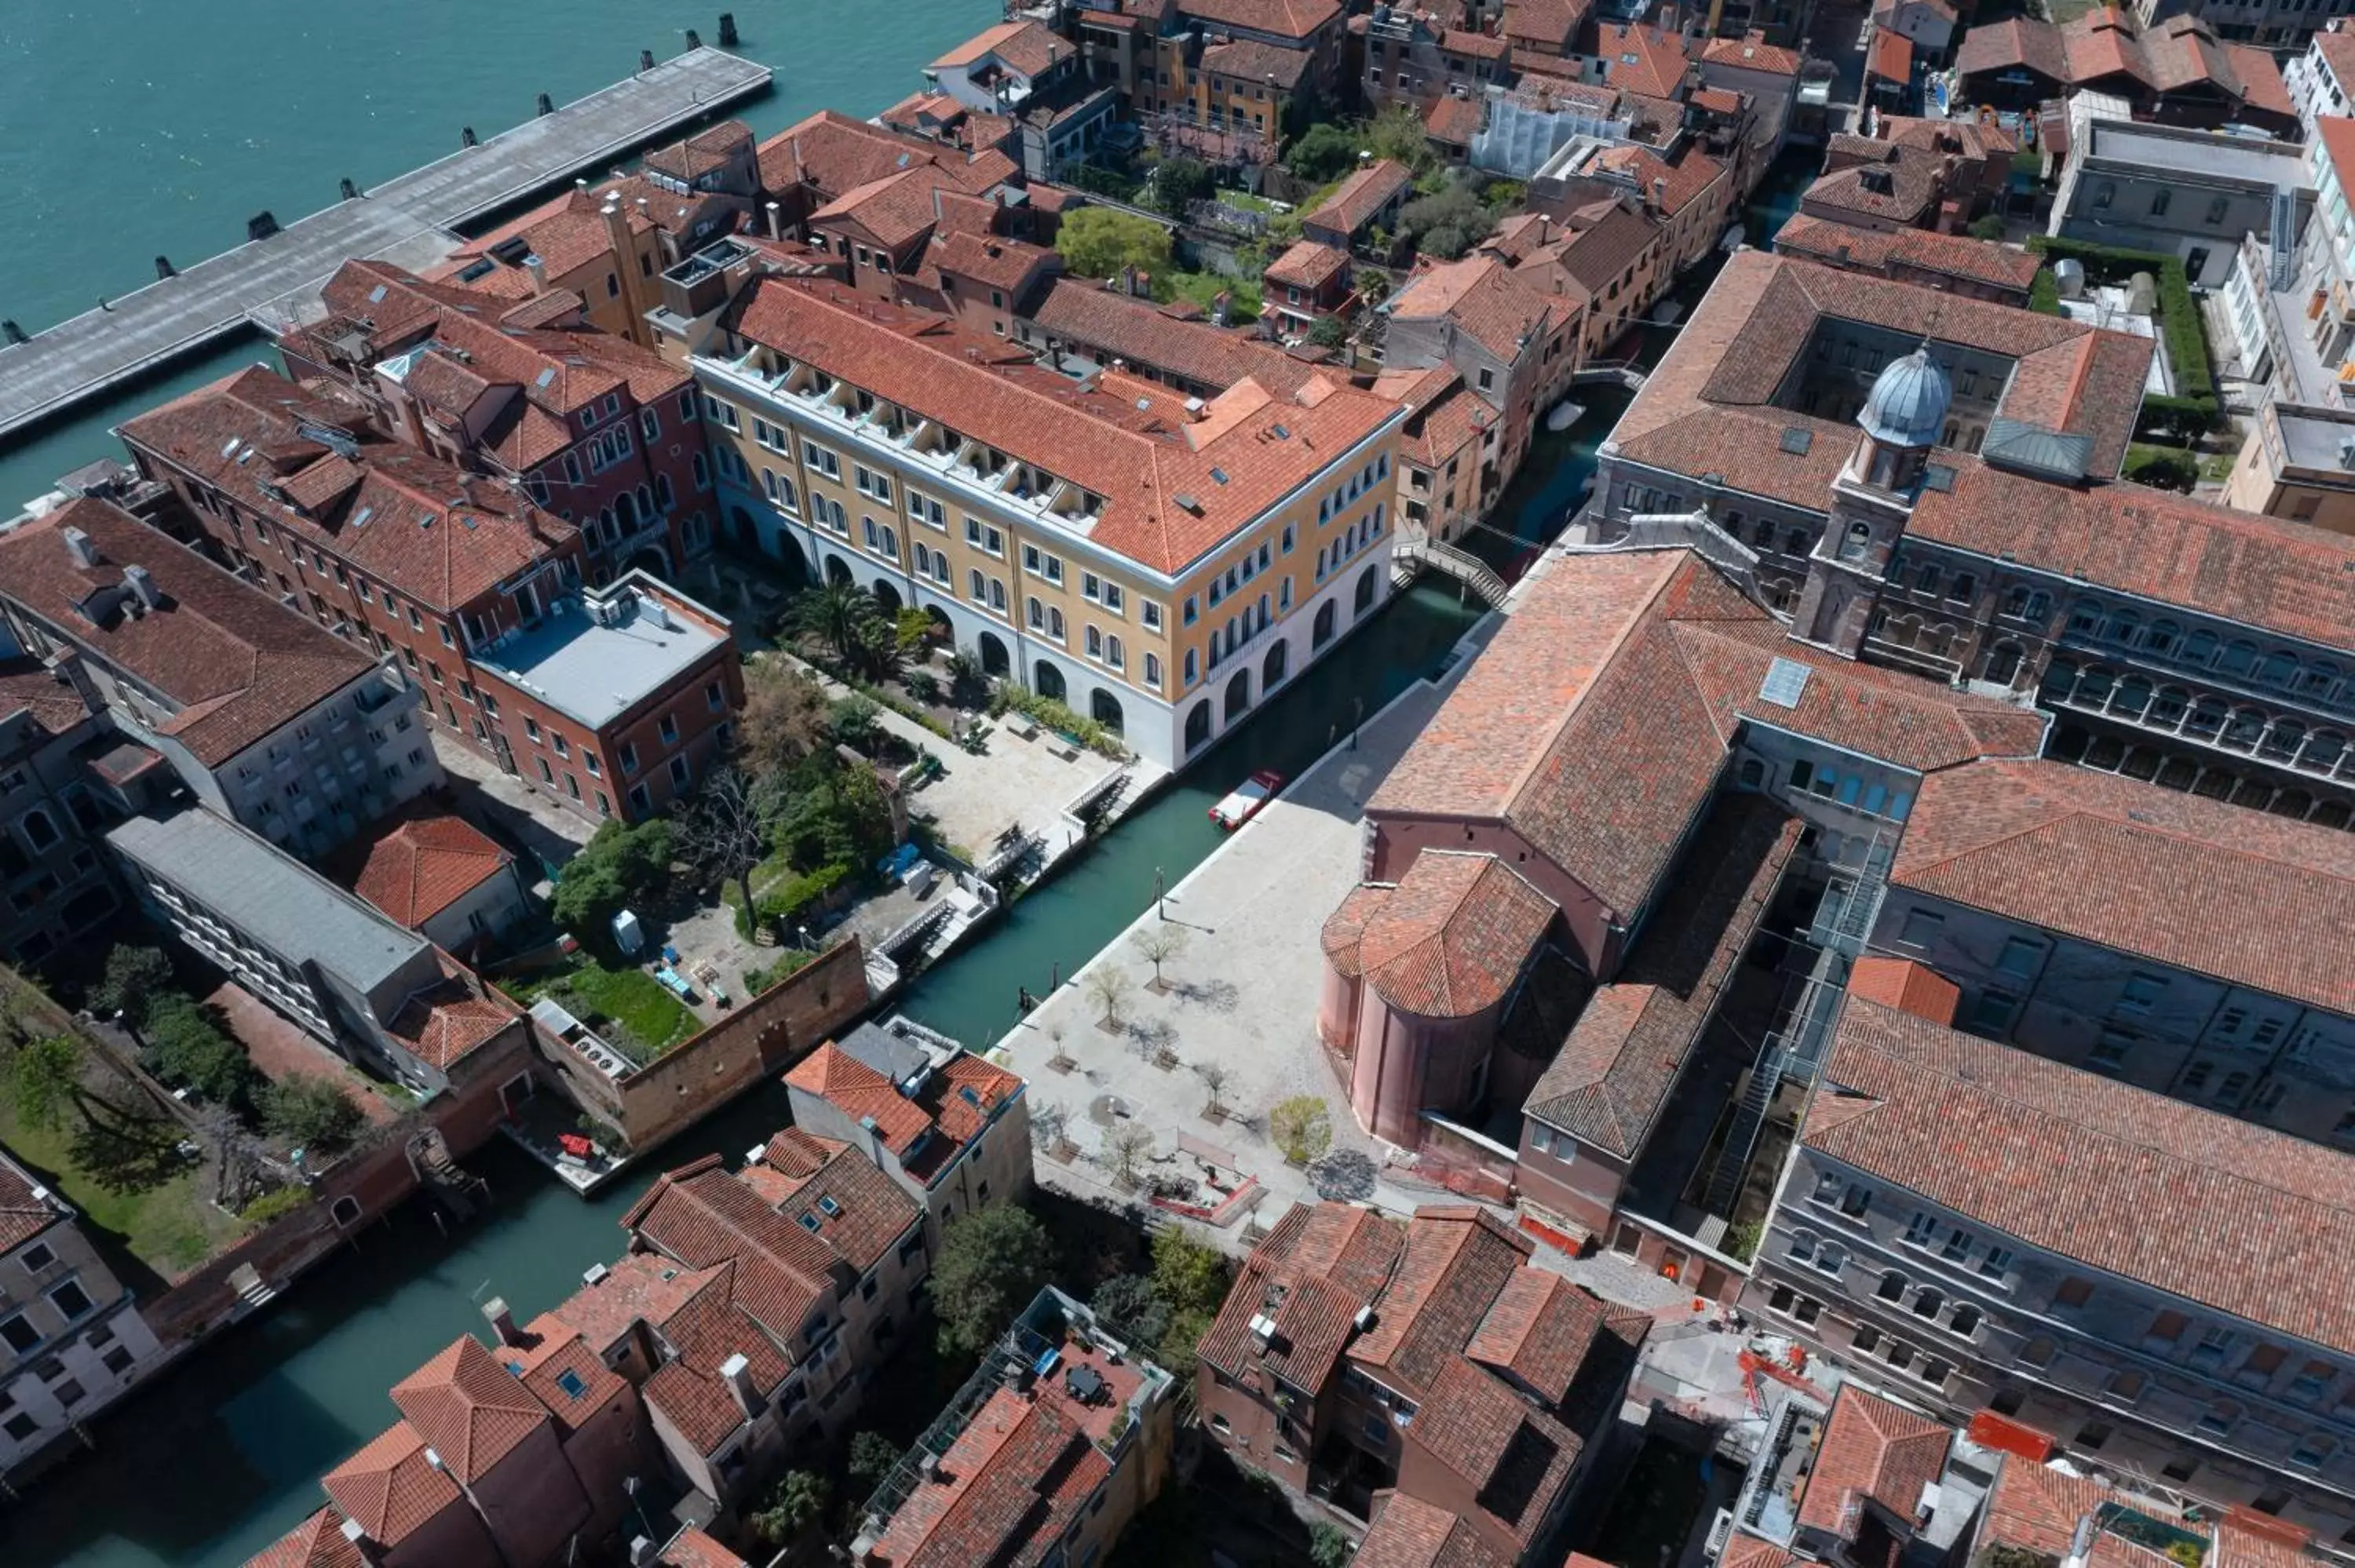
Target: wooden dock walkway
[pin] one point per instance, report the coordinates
(408, 220)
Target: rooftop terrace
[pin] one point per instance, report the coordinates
(596, 659)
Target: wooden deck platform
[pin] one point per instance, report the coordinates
(408, 220)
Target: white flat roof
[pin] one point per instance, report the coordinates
(593, 672)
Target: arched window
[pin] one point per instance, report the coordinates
(1795, 541)
(2094, 686)
(2132, 697)
(2015, 603)
(2323, 752)
(1892, 1287)
(1198, 721)
(1113, 654)
(2278, 669)
(2315, 680)
(1965, 1320)
(2162, 638)
(2167, 706)
(1803, 1245)
(2122, 627)
(2282, 740)
(2241, 734)
(2199, 649)
(1928, 1303)
(2206, 718)
(2238, 658)
(1859, 541)
(1761, 535)
(2003, 663)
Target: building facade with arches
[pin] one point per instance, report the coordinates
(1158, 563)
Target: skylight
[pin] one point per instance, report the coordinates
(573, 1383)
(1785, 683)
(830, 1207)
(1796, 439)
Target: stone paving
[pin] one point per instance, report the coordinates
(1242, 995)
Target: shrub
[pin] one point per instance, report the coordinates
(1179, 182)
(911, 629)
(275, 1204)
(991, 1264)
(1097, 242)
(1055, 715)
(790, 962)
(620, 866)
(1329, 331)
(311, 1111)
(1328, 1544)
(1990, 228)
(1447, 223)
(855, 721)
(922, 685)
(784, 905)
(2162, 468)
(1325, 153)
(187, 1050)
(1300, 1128)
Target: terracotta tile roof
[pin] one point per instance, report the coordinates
(317, 1542)
(1354, 203)
(452, 1018)
(1008, 264)
(29, 686)
(1871, 1450)
(1256, 61)
(425, 863)
(1597, 721)
(1747, 1551)
(687, 1390)
(1901, 983)
(703, 153)
(1455, 1263)
(1678, 184)
(1716, 101)
(562, 1371)
(1540, 1331)
(1445, 422)
(1599, 250)
(237, 665)
(2036, 1507)
(1611, 1080)
(834, 152)
(468, 1408)
(954, 1107)
(1977, 140)
(1455, 121)
(640, 1288)
(1751, 53)
(1282, 19)
(1307, 265)
(2170, 57)
(24, 1211)
(897, 211)
(1010, 1486)
(1550, 23)
(1640, 58)
(1315, 1269)
(1028, 48)
(1148, 462)
(2104, 858)
(389, 1488)
(1407, 1534)
(2014, 43)
(1878, 179)
(2124, 1180)
(1451, 938)
(1486, 300)
(1953, 255)
(480, 533)
(691, 1548)
(1892, 58)
(1515, 1459)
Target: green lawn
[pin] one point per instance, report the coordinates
(632, 1010)
(169, 1225)
(1203, 287)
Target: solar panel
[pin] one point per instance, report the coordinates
(1785, 684)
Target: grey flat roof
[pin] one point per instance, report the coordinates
(2313, 442)
(2281, 165)
(272, 897)
(594, 673)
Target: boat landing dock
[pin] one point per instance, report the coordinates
(409, 220)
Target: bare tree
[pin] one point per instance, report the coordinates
(1126, 1147)
(1062, 1060)
(1156, 944)
(1046, 1124)
(724, 831)
(784, 717)
(1110, 988)
(1215, 1076)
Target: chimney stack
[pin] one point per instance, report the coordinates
(643, 1550)
(503, 1322)
(370, 1552)
(142, 584)
(85, 550)
(776, 221)
(736, 1373)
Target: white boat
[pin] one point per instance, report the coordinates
(1565, 414)
(1243, 803)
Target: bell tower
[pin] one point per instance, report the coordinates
(1872, 500)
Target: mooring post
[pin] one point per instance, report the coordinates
(645, 59)
(694, 39)
(12, 331)
(466, 137)
(164, 269)
(546, 105)
(727, 29)
(351, 191)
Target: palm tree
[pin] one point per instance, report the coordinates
(839, 616)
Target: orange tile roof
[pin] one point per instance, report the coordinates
(237, 665)
(1514, 1458)
(1892, 58)
(1409, 1534)
(390, 1486)
(1175, 487)
(2150, 1188)
(1357, 199)
(1011, 1484)
(317, 1542)
(1874, 1450)
(1455, 1263)
(24, 1213)
(1451, 938)
(1307, 265)
(691, 1548)
(1901, 983)
(1284, 19)
(1954, 255)
(1024, 46)
(425, 863)
(1486, 300)
(468, 1408)
(1640, 58)
(446, 1021)
(1751, 53)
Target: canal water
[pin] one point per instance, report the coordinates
(130, 129)
(224, 1454)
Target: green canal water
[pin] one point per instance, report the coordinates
(224, 1454)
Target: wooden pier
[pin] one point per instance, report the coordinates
(409, 220)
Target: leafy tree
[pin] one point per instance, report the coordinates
(620, 866)
(1325, 151)
(1157, 944)
(796, 1508)
(855, 721)
(1328, 1545)
(724, 831)
(831, 813)
(1328, 332)
(1188, 1274)
(1987, 227)
(992, 1263)
(1447, 223)
(1182, 1342)
(784, 718)
(1131, 1303)
(1179, 182)
(1109, 988)
(849, 622)
(135, 978)
(1099, 242)
(1301, 1128)
(968, 682)
(45, 1080)
(186, 1048)
(873, 1457)
(1398, 133)
(311, 1111)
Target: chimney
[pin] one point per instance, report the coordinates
(370, 1553)
(736, 1373)
(776, 221)
(539, 270)
(142, 584)
(594, 1274)
(503, 1322)
(643, 1550)
(1660, 197)
(85, 551)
